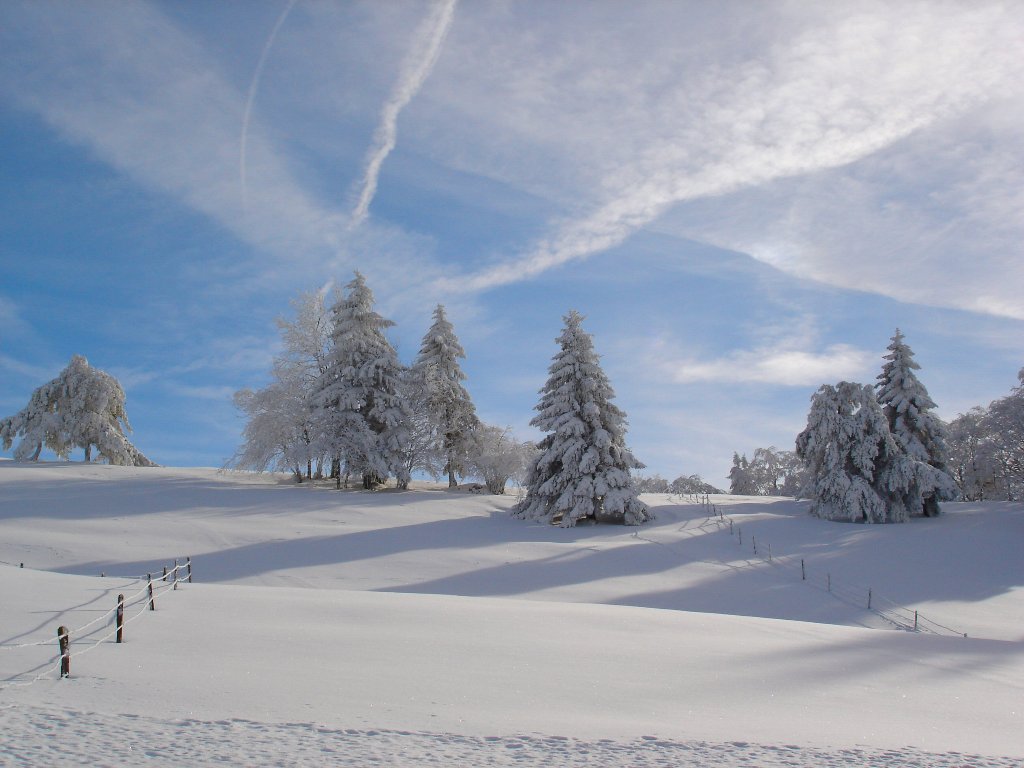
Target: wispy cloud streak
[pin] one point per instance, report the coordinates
(251, 98)
(831, 97)
(415, 70)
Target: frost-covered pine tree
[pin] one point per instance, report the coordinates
(923, 471)
(437, 378)
(360, 405)
(582, 468)
(83, 407)
(847, 449)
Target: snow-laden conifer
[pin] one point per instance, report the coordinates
(83, 407)
(923, 472)
(436, 378)
(360, 406)
(847, 449)
(582, 468)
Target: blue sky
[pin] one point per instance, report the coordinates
(744, 199)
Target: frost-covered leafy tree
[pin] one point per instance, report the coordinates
(496, 457)
(1004, 443)
(970, 456)
(770, 472)
(741, 479)
(83, 407)
(847, 449)
(360, 408)
(920, 435)
(280, 431)
(436, 378)
(583, 466)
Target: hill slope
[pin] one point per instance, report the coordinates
(501, 628)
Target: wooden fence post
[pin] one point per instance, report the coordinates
(915, 621)
(803, 570)
(175, 573)
(164, 577)
(869, 598)
(64, 641)
(754, 539)
(152, 603)
(120, 618)
(189, 567)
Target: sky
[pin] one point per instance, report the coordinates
(744, 200)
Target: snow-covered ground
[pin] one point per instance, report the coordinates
(427, 627)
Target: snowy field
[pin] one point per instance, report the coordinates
(429, 628)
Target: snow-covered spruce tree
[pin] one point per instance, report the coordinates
(922, 472)
(450, 413)
(83, 407)
(359, 401)
(847, 449)
(582, 468)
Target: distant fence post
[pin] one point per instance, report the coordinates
(869, 598)
(803, 570)
(120, 618)
(64, 641)
(189, 568)
(175, 573)
(754, 539)
(915, 621)
(152, 603)
(829, 579)
(164, 577)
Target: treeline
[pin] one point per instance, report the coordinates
(682, 485)
(986, 448)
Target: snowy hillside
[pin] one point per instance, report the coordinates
(428, 627)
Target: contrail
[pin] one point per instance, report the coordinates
(415, 70)
(253, 87)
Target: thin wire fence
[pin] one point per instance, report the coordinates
(143, 599)
(896, 614)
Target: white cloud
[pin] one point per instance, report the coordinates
(826, 92)
(785, 362)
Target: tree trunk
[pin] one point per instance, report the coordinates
(88, 453)
(39, 449)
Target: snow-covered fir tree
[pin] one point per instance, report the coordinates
(83, 407)
(436, 377)
(847, 449)
(921, 436)
(360, 409)
(582, 468)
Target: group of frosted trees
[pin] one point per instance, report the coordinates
(876, 454)
(770, 472)
(340, 400)
(83, 407)
(986, 448)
